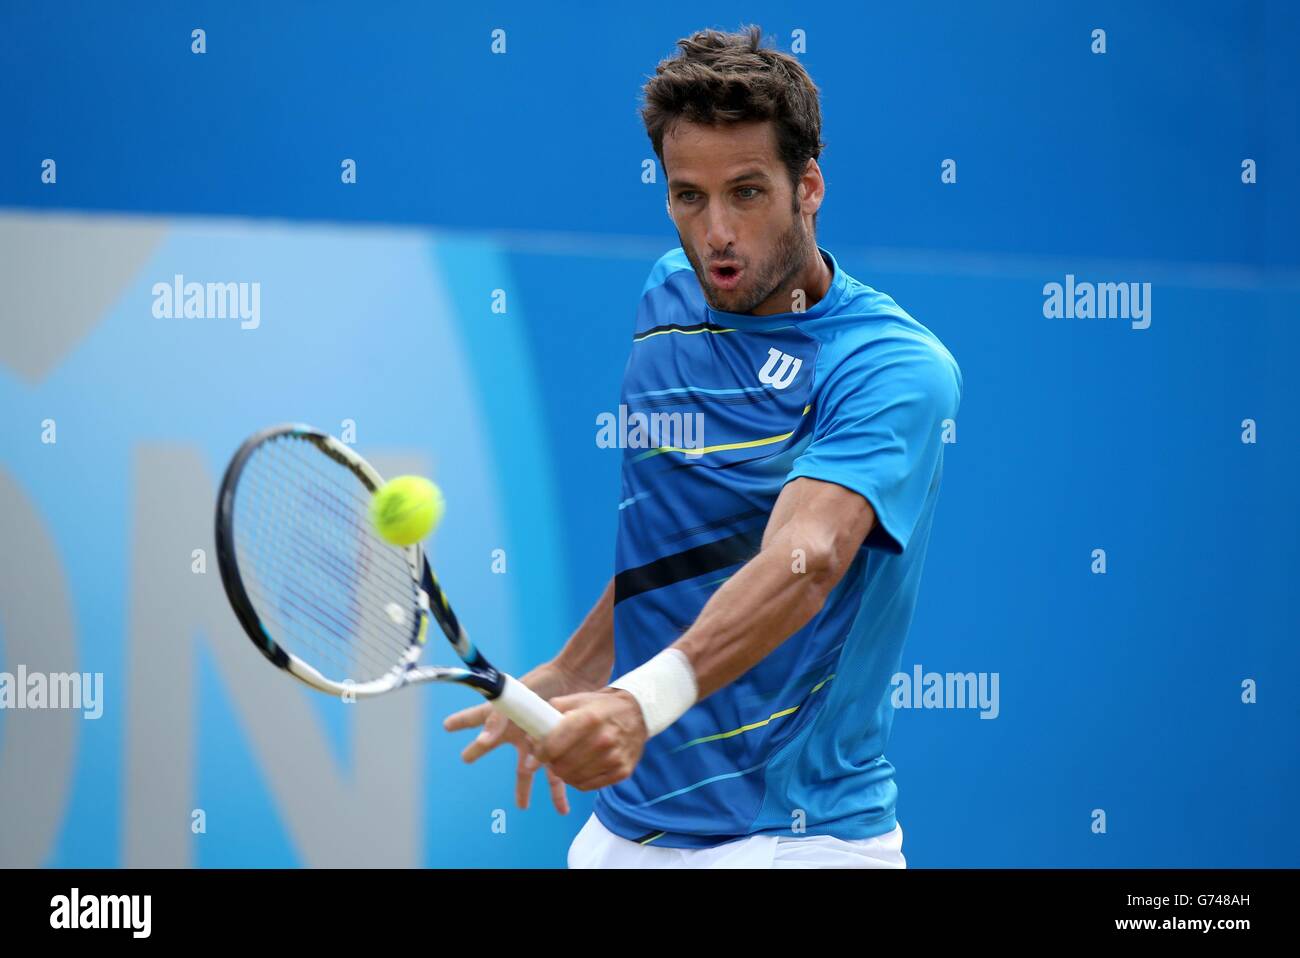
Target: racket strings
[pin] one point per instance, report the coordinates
(330, 591)
(335, 651)
(349, 503)
(356, 512)
(313, 616)
(337, 555)
(318, 615)
(299, 600)
(355, 515)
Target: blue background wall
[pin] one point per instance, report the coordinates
(522, 172)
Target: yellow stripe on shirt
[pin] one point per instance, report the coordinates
(749, 728)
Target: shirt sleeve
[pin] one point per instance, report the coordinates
(879, 430)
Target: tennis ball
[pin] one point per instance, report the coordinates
(406, 509)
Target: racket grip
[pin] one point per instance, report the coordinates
(526, 708)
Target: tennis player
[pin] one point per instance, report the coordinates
(785, 431)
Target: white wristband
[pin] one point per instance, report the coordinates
(664, 687)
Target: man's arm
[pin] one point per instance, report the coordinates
(811, 538)
(590, 650)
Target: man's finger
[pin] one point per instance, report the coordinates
(523, 779)
(493, 732)
(575, 700)
(467, 718)
(570, 730)
(559, 795)
(600, 781)
(583, 764)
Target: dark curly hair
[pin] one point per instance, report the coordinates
(731, 78)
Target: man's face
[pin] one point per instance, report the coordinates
(737, 218)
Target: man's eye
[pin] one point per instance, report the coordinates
(686, 196)
(753, 190)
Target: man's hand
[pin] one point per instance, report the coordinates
(547, 680)
(598, 741)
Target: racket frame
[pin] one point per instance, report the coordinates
(517, 701)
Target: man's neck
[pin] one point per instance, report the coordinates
(815, 281)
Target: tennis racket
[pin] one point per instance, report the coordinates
(322, 596)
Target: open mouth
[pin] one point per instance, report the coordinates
(725, 277)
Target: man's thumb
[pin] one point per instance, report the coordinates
(567, 703)
(492, 728)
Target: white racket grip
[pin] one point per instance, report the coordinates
(526, 708)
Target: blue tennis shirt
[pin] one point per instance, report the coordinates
(719, 411)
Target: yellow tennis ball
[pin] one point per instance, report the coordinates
(406, 509)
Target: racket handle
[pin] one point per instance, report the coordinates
(526, 708)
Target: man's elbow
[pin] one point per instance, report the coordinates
(821, 562)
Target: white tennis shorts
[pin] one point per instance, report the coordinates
(597, 847)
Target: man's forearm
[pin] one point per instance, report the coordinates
(770, 598)
(590, 650)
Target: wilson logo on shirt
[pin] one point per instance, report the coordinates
(779, 370)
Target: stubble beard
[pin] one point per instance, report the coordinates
(789, 255)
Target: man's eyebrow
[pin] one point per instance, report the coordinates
(755, 174)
